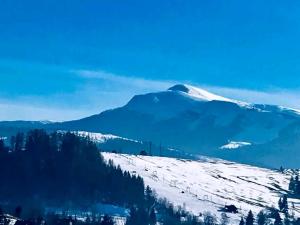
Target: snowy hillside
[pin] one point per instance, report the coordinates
(113, 143)
(101, 138)
(201, 94)
(209, 184)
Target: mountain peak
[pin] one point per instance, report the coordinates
(198, 93)
(179, 87)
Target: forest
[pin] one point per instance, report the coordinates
(39, 170)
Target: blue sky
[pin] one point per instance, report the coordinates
(66, 59)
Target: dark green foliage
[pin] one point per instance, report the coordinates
(242, 221)
(250, 218)
(138, 216)
(278, 220)
(286, 220)
(296, 222)
(107, 220)
(152, 217)
(2, 146)
(143, 152)
(61, 169)
(18, 211)
(261, 218)
(294, 186)
(283, 204)
(209, 219)
(224, 219)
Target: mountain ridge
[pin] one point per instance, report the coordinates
(195, 121)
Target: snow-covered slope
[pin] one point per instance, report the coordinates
(102, 138)
(113, 143)
(201, 94)
(209, 184)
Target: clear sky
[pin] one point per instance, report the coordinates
(64, 59)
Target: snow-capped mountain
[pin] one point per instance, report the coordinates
(200, 123)
(196, 121)
(209, 184)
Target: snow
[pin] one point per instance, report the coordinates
(235, 145)
(209, 184)
(201, 94)
(118, 214)
(101, 138)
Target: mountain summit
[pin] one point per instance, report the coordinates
(201, 123)
(198, 93)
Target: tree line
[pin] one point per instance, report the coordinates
(63, 168)
(294, 186)
(40, 169)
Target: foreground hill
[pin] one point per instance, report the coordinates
(209, 184)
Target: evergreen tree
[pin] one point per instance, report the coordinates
(280, 203)
(286, 220)
(278, 220)
(2, 146)
(12, 143)
(242, 221)
(261, 218)
(19, 142)
(209, 219)
(152, 217)
(292, 184)
(137, 217)
(297, 222)
(297, 186)
(224, 219)
(285, 206)
(107, 220)
(250, 218)
(18, 211)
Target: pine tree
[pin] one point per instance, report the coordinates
(152, 217)
(250, 218)
(280, 204)
(278, 220)
(286, 220)
(292, 184)
(209, 219)
(12, 143)
(224, 219)
(19, 142)
(285, 206)
(261, 218)
(2, 146)
(107, 220)
(18, 211)
(242, 222)
(297, 185)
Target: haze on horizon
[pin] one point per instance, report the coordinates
(66, 60)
